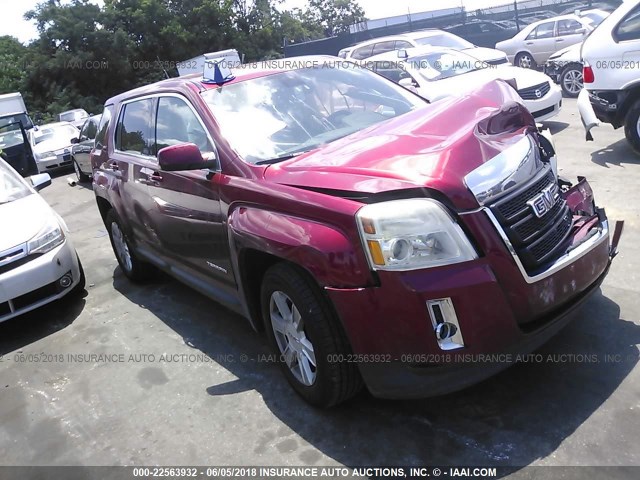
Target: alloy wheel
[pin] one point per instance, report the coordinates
(121, 247)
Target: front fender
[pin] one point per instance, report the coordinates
(324, 251)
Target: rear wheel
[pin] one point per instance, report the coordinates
(525, 60)
(82, 177)
(309, 339)
(632, 126)
(134, 268)
(571, 80)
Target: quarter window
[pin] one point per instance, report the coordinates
(629, 28)
(177, 123)
(103, 127)
(135, 133)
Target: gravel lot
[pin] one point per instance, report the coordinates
(214, 401)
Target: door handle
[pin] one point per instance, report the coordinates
(155, 177)
(529, 43)
(559, 39)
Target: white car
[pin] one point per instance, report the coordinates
(535, 43)
(51, 145)
(435, 73)
(38, 263)
(611, 58)
(430, 37)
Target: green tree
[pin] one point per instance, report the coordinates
(12, 64)
(335, 16)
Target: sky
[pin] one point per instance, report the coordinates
(13, 23)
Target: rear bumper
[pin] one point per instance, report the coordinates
(601, 106)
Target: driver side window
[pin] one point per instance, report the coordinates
(177, 123)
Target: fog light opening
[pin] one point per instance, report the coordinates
(445, 324)
(66, 280)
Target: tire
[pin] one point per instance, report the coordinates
(632, 126)
(82, 177)
(571, 80)
(319, 335)
(134, 268)
(525, 60)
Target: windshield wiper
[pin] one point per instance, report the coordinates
(283, 158)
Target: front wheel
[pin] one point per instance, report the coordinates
(306, 334)
(632, 126)
(134, 268)
(571, 80)
(525, 60)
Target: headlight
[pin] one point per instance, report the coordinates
(45, 155)
(411, 234)
(47, 239)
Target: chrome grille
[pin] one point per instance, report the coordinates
(536, 92)
(536, 240)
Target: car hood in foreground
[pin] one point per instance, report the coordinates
(433, 147)
(23, 219)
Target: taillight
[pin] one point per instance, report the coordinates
(587, 74)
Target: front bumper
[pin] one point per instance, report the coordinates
(61, 160)
(499, 310)
(35, 283)
(547, 107)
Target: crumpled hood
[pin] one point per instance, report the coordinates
(23, 219)
(433, 147)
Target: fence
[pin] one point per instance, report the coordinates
(483, 27)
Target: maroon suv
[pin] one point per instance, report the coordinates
(376, 238)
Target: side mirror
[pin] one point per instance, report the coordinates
(40, 181)
(403, 53)
(75, 140)
(185, 156)
(581, 31)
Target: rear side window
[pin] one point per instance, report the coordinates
(103, 127)
(383, 47)
(403, 45)
(135, 132)
(568, 27)
(92, 129)
(363, 52)
(177, 123)
(629, 28)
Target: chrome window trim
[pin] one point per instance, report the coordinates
(560, 263)
(158, 96)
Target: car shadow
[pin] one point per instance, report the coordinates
(617, 153)
(40, 323)
(515, 418)
(555, 127)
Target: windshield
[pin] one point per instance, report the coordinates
(73, 116)
(10, 136)
(596, 18)
(63, 133)
(444, 39)
(10, 122)
(12, 186)
(292, 112)
(440, 65)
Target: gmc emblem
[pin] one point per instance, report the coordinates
(545, 200)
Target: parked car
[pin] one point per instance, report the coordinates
(565, 66)
(483, 32)
(432, 37)
(362, 228)
(51, 144)
(38, 263)
(611, 74)
(76, 117)
(82, 146)
(436, 73)
(538, 41)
